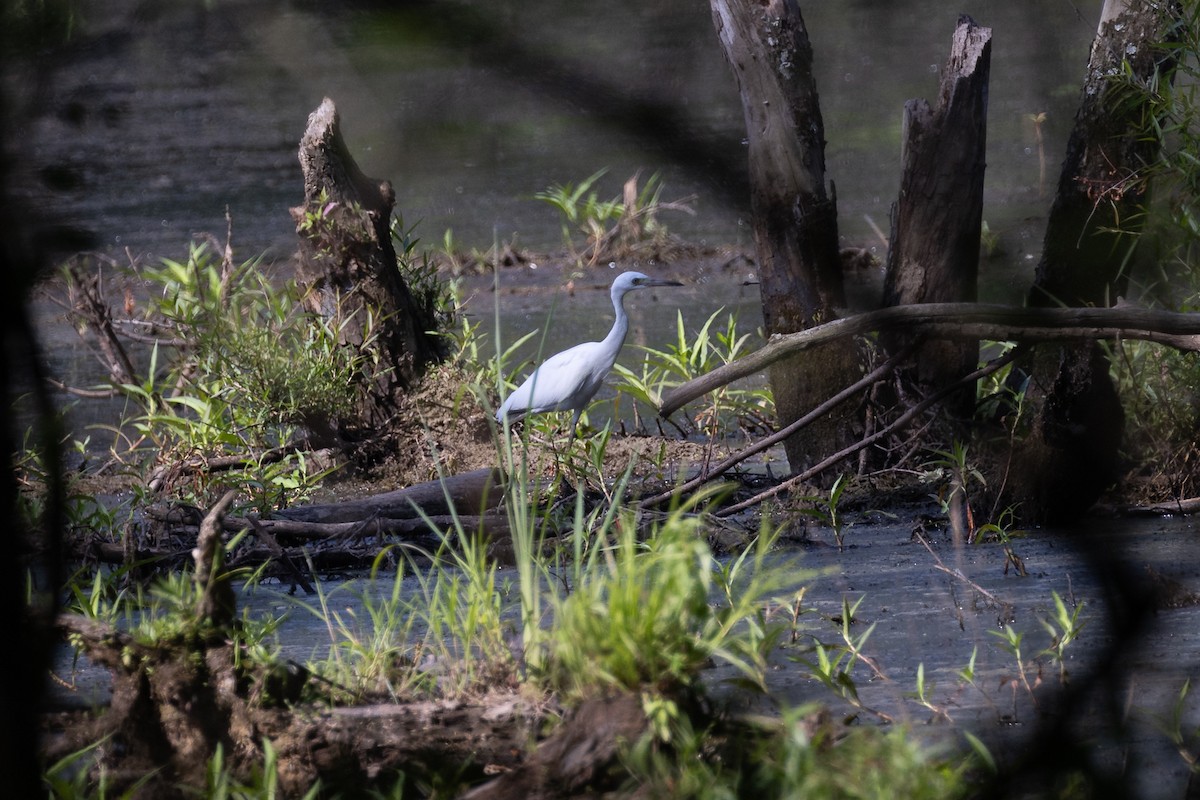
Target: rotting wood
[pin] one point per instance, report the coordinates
(349, 262)
(961, 321)
(933, 256)
(793, 215)
(217, 603)
(1088, 255)
(467, 493)
(575, 758)
(355, 745)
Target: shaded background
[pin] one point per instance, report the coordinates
(157, 115)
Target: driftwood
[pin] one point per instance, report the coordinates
(961, 321)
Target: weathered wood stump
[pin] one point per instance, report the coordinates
(794, 218)
(348, 261)
(1071, 454)
(933, 255)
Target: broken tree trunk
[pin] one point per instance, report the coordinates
(1070, 455)
(933, 255)
(349, 263)
(794, 219)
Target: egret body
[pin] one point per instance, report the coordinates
(568, 380)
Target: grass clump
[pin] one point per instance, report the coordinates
(619, 227)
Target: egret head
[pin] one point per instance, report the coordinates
(627, 281)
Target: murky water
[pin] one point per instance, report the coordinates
(921, 615)
(161, 115)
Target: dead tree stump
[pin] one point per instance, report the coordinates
(934, 252)
(794, 218)
(1071, 454)
(348, 262)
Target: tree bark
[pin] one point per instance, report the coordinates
(1071, 453)
(934, 252)
(794, 219)
(1095, 217)
(348, 261)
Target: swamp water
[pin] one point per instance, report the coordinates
(138, 135)
(921, 615)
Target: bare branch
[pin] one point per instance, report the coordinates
(960, 321)
(898, 424)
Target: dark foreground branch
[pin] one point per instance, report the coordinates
(960, 321)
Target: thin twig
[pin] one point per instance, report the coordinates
(898, 424)
(824, 408)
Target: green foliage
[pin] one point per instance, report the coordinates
(234, 368)
(613, 227)
(71, 778)
(1172, 725)
(582, 209)
(1064, 627)
(1160, 394)
(639, 615)
(726, 409)
(961, 478)
(1158, 386)
(375, 655)
(219, 783)
(258, 361)
(1169, 110)
(833, 664)
(796, 756)
(828, 510)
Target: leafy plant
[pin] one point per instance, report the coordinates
(639, 616)
(954, 496)
(833, 665)
(611, 227)
(375, 655)
(1064, 627)
(728, 408)
(827, 511)
(1010, 641)
(1186, 742)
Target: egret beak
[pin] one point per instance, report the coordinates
(657, 282)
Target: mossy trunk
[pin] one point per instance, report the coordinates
(1070, 455)
(348, 262)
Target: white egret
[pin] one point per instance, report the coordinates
(568, 380)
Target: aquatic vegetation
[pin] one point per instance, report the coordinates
(724, 412)
(616, 227)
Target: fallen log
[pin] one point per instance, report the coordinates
(573, 761)
(467, 493)
(960, 321)
(220, 705)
